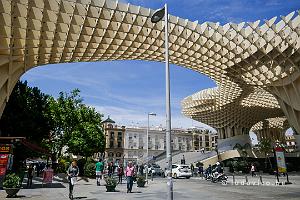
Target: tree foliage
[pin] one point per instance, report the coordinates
(64, 119)
(75, 125)
(243, 149)
(26, 114)
(265, 147)
(54, 123)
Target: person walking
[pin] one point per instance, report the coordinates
(252, 169)
(72, 172)
(208, 171)
(47, 175)
(183, 160)
(30, 172)
(120, 173)
(130, 171)
(141, 170)
(192, 169)
(99, 171)
(200, 171)
(110, 169)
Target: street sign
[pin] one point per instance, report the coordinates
(279, 151)
(6, 148)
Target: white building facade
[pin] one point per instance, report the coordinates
(135, 144)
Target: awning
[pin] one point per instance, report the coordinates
(35, 147)
(26, 143)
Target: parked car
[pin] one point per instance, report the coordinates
(155, 169)
(180, 171)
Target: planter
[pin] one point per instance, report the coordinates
(141, 183)
(11, 192)
(110, 188)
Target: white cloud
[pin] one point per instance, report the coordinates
(129, 117)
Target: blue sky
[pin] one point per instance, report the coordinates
(128, 90)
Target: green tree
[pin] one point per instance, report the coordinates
(26, 114)
(64, 118)
(74, 125)
(243, 149)
(88, 138)
(265, 146)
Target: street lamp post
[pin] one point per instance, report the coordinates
(147, 135)
(156, 17)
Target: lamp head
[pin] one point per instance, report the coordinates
(158, 15)
(153, 114)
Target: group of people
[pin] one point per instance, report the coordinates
(100, 170)
(129, 172)
(37, 169)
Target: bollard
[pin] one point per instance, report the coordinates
(151, 176)
(233, 179)
(246, 177)
(260, 179)
(287, 179)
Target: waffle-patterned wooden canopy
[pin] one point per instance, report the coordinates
(250, 62)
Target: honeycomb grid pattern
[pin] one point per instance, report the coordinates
(241, 58)
(272, 128)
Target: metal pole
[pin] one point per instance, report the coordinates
(168, 110)
(147, 135)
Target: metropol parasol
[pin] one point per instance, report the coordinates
(255, 65)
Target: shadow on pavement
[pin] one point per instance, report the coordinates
(40, 185)
(79, 197)
(83, 178)
(17, 196)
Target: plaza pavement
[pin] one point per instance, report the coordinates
(194, 188)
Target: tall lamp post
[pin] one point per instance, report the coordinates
(157, 16)
(147, 135)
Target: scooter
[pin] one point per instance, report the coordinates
(208, 177)
(219, 177)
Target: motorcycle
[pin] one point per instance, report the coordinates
(219, 177)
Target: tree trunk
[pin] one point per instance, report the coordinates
(266, 161)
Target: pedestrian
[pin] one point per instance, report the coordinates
(99, 171)
(47, 174)
(141, 170)
(252, 169)
(130, 172)
(113, 167)
(183, 160)
(192, 169)
(200, 171)
(110, 169)
(72, 172)
(38, 169)
(120, 173)
(208, 171)
(30, 175)
(137, 168)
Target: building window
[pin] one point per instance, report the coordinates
(112, 134)
(119, 135)
(111, 144)
(118, 155)
(110, 154)
(119, 144)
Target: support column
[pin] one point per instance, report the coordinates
(287, 92)
(230, 139)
